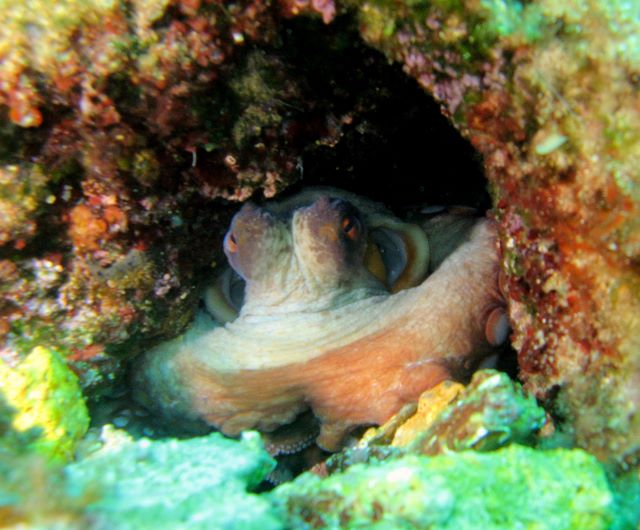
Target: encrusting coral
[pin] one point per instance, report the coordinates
(207, 482)
(46, 401)
(197, 483)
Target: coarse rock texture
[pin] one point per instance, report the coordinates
(547, 92)
(196, 483)
(46, 413)
(491, 412)
(108, 113)
(32, 495)
(206, 482)
(510, 488)
(126, 484)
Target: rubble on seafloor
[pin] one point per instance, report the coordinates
(129, 130)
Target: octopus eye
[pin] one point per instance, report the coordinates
(351, 227)
(232, 243)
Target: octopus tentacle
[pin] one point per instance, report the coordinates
(293, 437)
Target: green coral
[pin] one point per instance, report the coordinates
(508, 17)
(47, 401)
(195, 483)
(515, 487)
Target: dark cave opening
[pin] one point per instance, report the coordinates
(395, 145)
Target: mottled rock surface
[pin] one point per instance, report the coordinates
(126, 484)
(510, 488)
(196, 483)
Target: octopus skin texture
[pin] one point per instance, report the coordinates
(346, 311)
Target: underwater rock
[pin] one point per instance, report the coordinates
(22, 193)
(547, 92)
(491, 412)
(48, 413)
(113, 103)
(32, 495)
(431, 405)
(626, 490)
(360, 454)
(509, 488)
(412, 419)
(166, 484)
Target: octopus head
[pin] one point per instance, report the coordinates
(313, 252)
(330, 241)
(306, 259)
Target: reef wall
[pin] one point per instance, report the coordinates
(126, 126)
(121, 122)
(547, 91)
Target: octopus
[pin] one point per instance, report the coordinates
(334, 308)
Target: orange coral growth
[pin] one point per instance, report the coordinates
(86, 230)
(89, 230)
